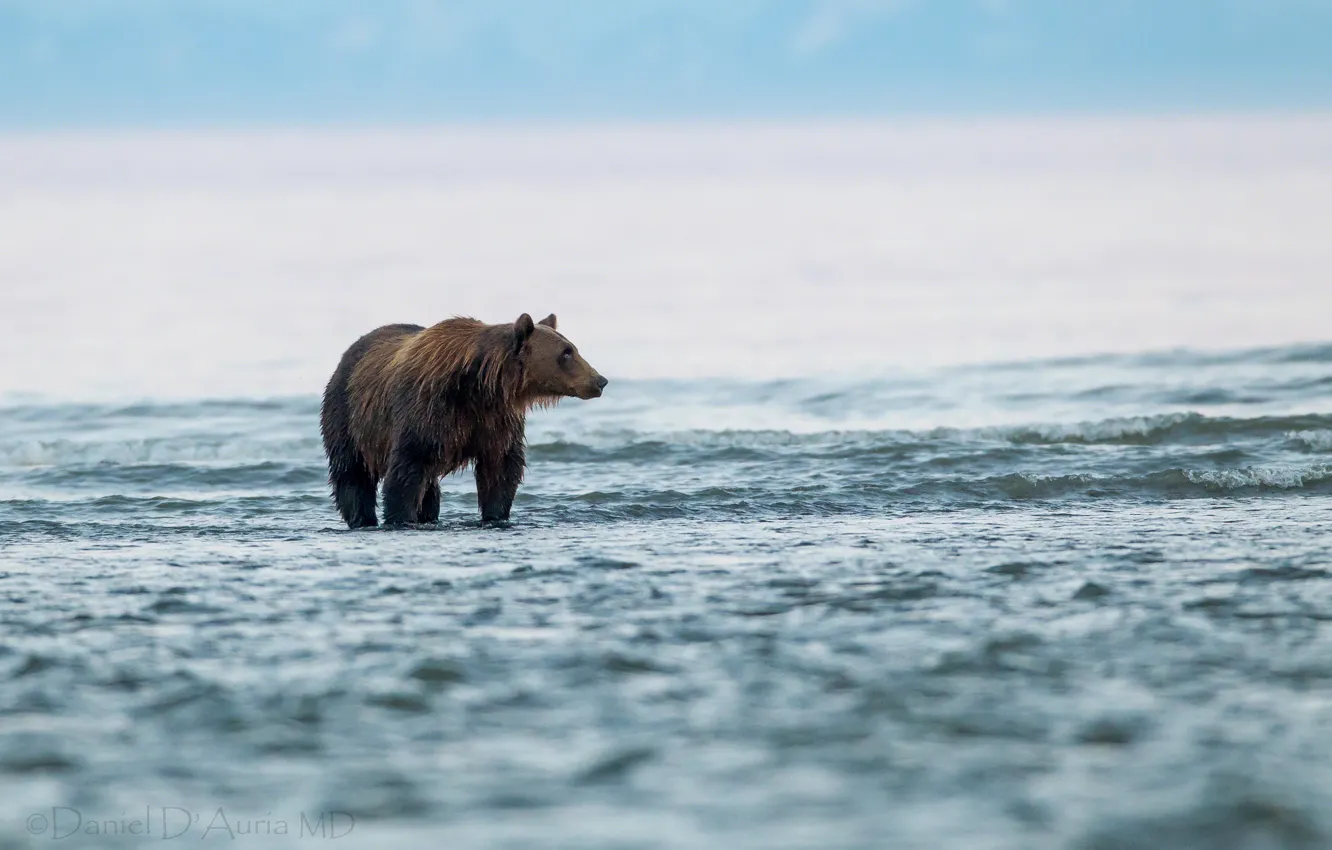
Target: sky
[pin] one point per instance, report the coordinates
(262, 62)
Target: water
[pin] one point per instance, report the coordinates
(729, 613)
(869, 543)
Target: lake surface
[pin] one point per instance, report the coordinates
(868, 544)
(727, 613)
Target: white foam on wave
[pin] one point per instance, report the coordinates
(1318, 440)
(1275, 478)
(1125, 428)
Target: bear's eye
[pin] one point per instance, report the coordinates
(566, 355)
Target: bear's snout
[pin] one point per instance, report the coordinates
(594, 389)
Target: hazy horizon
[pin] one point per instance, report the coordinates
(242, 263)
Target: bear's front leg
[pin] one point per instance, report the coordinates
(405, 484)
(497, 480)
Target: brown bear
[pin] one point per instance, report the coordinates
(409, 405)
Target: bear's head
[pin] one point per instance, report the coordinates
(552, 366)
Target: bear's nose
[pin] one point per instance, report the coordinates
(601, 382)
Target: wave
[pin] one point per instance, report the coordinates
(272, 450)
(79, 413)
(179, 476)
(1166, 428)
(170, 455)
(869, 499)
(1175, 482)
(167, 450)
(225, 513)
(1314, 441)
(1018, 486)
(1312, 431)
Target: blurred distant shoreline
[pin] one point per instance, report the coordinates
(152, 263)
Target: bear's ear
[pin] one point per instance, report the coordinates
(522, 329)
(549, 321)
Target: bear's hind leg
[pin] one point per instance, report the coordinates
(405, 485)
(429, 512)
(354, 494)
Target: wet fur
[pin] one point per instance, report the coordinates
(408, 405)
